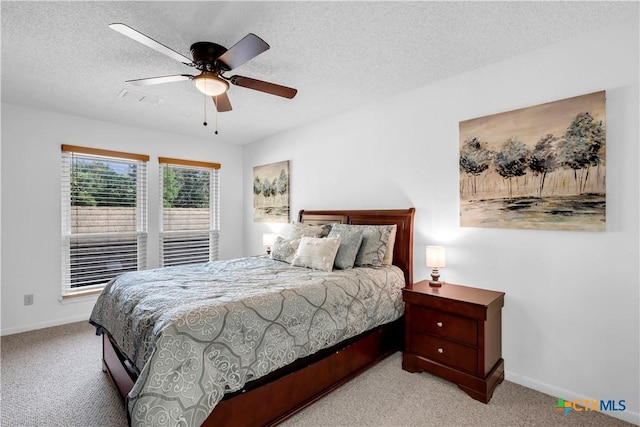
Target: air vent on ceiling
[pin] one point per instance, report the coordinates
(144, 98)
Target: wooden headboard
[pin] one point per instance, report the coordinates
(403, 218)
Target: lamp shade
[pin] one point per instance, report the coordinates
(268, 239)
(435, 257)
(210, 84)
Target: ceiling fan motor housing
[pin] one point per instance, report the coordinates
(206, 54)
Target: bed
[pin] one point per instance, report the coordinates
(282, 378)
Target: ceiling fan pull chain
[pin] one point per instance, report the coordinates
(205, 111)
(216, 132)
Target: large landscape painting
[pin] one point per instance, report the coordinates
(541, 167)
(271, 192)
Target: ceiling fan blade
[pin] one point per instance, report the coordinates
(157, 80)
(259, 85)
(149, 42)
(222, 102)
(249, 47)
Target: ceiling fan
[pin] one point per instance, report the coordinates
(213, 61)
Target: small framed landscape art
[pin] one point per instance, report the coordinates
(541, 167)
(271, 192)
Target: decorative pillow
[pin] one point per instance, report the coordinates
(375, 239)
(300, 230)
(326, 229)
(317, 253)
(350, 240)
(388, 255)
(284, 250)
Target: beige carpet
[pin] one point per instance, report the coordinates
(53, 377)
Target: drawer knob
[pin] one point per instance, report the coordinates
(441, 350)
(439, 324)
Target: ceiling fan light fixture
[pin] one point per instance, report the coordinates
(210, 83)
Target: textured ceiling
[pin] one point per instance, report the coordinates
(62, 56)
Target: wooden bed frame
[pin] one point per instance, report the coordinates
(277, 396)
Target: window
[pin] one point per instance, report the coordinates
(189, 225)
(104, 217)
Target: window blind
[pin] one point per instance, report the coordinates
(104, 217)
(189, 223)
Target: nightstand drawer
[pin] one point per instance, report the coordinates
(444, 325)
(445, 352)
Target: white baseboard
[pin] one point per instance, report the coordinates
(42, 325)
(626, 415)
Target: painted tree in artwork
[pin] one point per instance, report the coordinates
(475, 158)
(282, 184)
(543, 159)
(512, 160)
(580, 147)
(257, 189)
(266, 189)
(273, 190)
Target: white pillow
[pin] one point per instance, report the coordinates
(317, 253)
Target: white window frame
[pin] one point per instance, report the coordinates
(182, 253)
(68, 237)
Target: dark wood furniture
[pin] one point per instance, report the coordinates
(455, 332)
(272, 399)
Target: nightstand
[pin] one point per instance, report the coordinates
(455, 332)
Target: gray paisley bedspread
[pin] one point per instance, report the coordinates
(195, 332)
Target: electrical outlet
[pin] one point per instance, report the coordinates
(28, 299)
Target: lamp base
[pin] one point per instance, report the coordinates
(435, 278)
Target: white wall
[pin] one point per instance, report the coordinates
(571, 315)
(31, 239)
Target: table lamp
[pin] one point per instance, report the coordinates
(435, 260)
(267, 241)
